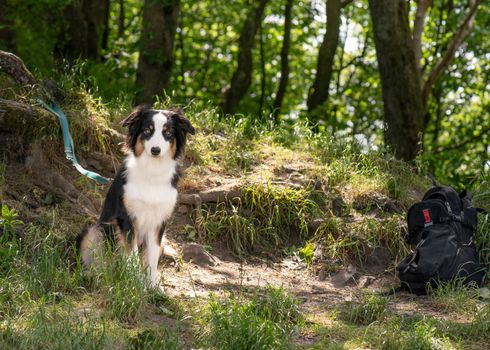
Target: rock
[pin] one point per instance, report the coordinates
(314, 224)
(392, 206)
(317, 185)
(365, 281)
(169, 251)
(94, 164)
(198, 255)
(377, 259)
(484, 293)
(338, 206)
(183, 209)
(322, 275)
(344, 277)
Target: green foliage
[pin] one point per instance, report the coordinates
(455, 144)
(123, 284)
(454, 296)
(365, 309)
(267, 215)
(482, 241)
(306, 253)
(263, 322)
(346, 241)
(161, 338)
(8, 237)
(423, 335)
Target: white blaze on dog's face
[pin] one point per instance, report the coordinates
(157, 134)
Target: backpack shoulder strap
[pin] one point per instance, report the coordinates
(446, 194)
(481, 211)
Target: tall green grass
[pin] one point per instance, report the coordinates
(270, 321)
(265, 216)
(365, 309)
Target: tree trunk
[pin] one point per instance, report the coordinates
(105, 27)
(286, 43)
(94, 15)
(319, 90)
(418, 29)
(263, 77)
(243, 75)
(400, 80)
(72, 42)
(120, 20)
(160, 19)
(7, 32)
(83, 30)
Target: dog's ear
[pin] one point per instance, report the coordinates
(181, 120)
(134, 117)
(133, 123)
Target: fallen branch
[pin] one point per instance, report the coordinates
(14, 66)
(211, 196)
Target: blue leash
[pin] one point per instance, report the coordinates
(68, 141)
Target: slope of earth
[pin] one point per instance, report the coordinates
(281, 239)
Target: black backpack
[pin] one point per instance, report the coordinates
(441, 226)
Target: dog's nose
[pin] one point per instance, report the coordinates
(155, 151)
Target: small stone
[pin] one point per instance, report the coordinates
(484, 293)
(317, 185)
(169, 251)
(198, 255)
(183, 209)
(338, 206)
(94, 164)
(322, 275)
(343, 278)
(365, 281)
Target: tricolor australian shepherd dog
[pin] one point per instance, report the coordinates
(144, 192)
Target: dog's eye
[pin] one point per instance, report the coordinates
(147, 131)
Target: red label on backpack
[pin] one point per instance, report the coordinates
(427, 218)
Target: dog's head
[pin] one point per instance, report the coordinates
(157, 133)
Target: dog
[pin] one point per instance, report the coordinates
(144, 192)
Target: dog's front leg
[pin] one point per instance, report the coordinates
(153, 252)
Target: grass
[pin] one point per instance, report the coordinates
(365, 309)
(270, 321)
(454, 296)
(265, 216)
(399, 330)
(482, 241)
(160, 338)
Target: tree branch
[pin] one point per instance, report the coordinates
(418, 28)
(344, 3)
(460, 35)
(484, 132)
(13, 66)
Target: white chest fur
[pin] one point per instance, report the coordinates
(149, 196)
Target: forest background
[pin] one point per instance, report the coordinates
(407, 77)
